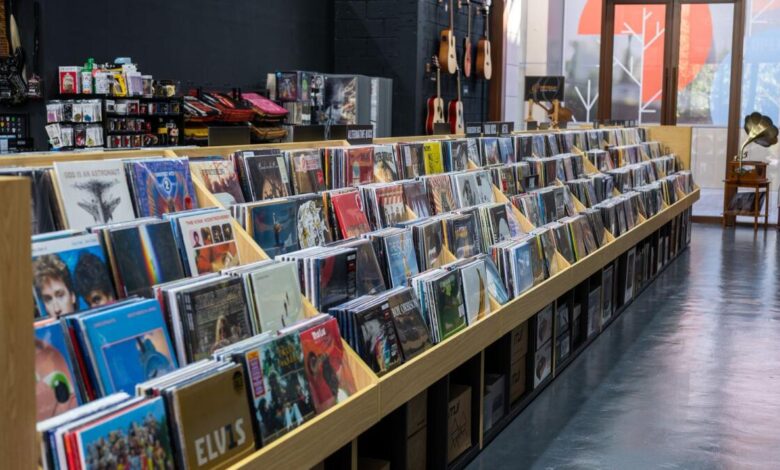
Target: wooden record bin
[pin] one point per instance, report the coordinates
(327, 433)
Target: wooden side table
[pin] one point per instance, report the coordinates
(760, 187)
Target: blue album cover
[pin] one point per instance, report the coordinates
(128, 345)
(162, 186)
(495, 284)
(506, 149)
(134, 438)
(70, 275)
(275, 227)
(401, 258)
(524, 273)
(56, 389)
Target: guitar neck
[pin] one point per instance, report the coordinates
(5, 45)
(438, 83)
(487, 23)
(459, 85)
(468, 30)
(452, 17)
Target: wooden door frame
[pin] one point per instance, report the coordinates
(498, 20)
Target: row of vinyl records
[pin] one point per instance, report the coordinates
(75, 271)
(79, 194)
(262, 387)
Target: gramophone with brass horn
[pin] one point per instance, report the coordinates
(761, 130)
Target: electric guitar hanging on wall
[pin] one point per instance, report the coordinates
(467, 46)
(13, 90)
(484, 65)
(435, 103)
(455, 113)
(447, 57)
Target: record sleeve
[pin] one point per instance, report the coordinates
(276, 293)
(162, 186)
(215, 315)
(213, 423)
(491, 154)
(378, 340)
(449, 304)
(475, 292)
(385, 167)
(312, 225)
(144, 256)
(70, 275)
(337, 278)
(392, 208)
(56, 388)
(94, 192)
(350, 215)
(278, 387)
(307, 174)
(457, 155)
(209, 245)
(401, 258)
(409, 324)
(128, 344)
(138, 433)
(274, 226)
(267, 175)
(412, 158)
(221, 179)
(440, 193)
(327, 369)
(44, 203)
(360, 165)
(432, 158)
(416, 198)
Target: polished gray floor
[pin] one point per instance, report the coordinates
(688, 377)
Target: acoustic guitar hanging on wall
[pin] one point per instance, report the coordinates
(447, 58)
(435, 103)
(484, 64)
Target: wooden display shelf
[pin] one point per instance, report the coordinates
(327, 432)
(226, 150)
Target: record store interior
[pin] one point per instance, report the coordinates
(389, 234)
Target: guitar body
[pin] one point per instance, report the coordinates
(484, 65)
(447, 57)
(455, 116)
(435, 113)
(467, 57)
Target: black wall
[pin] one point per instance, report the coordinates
(225, 43)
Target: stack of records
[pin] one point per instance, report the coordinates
(346, 213)
(461, 236)
(386, 164)
(584, 189)
(528, 205)
(416, 198)
(665, 165)
(306, 171)
(441, 302)
(651, 199)
(505, 178)
(161, 185)
(428, 236)
(385, 330)
(396, 254)
(497, 223)
(652, 150)
(370, 270)
(506, 150)
(474, 282)
(220, 178)
(385, 204)
(601, 159)
(470, 188)
(440, 195)
(489, 149)
(329, 274)
(205, 239)
(285, 224)
(263, 174)
(549, 248)
(520, 263)
(456, 154)
(411, 156)
(112, 432)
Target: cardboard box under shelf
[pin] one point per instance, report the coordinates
(458, 421)
(416, 450)
(517, 379)
(493, 405)
(416, 413)
(365, 463)
(519, 343)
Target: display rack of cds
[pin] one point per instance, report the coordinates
(378, 396)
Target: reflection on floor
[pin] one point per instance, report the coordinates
(711, 205)
(687, 377)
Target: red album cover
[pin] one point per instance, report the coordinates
(360, 166)
(349, 213)
(329, 376)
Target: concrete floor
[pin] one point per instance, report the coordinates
(688, 377)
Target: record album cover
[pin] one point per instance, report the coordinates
(475, 292)
(307, 173)
(379, 343)
(277, 295)
(401, 258)
(56, 389)
(135, 437)
(221, 180)
(267, 176)
(350, 215)
(208, 242)
(360, 165)
(162, 186)
(409, 324)
(326, 366)
(385, 167)
(70, 274)
(278, 386)
(433, 161)
(145, 255)
(312, 224)
(449, 304)
(94, 192)
(274, 226)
